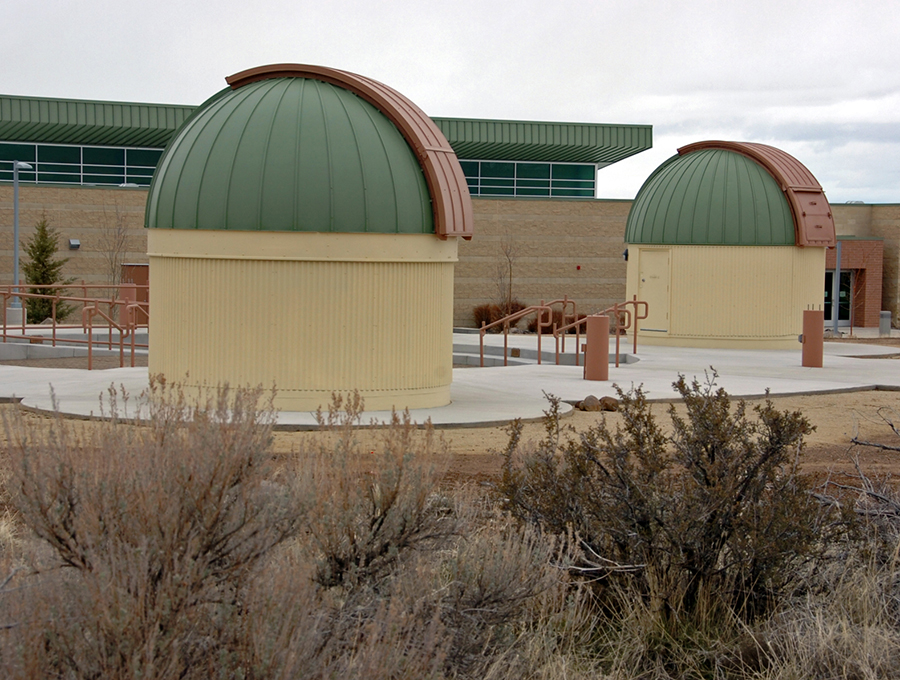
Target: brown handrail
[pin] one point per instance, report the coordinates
(129, 307)
(625, 319)
(638, 317)
(87, 317)
(579, 322)
(540, 309)
(515, 316)
(618, 311)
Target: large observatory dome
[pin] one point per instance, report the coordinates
(302, 235)
(290, 154)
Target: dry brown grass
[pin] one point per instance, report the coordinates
(184, 548)
(187, 548)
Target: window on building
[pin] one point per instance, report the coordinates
(845, 295)
(103, 165)
(73, 164)
(106, 165)
(509, 178)
(140, 164)
(16, 152)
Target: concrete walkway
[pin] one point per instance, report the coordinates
(496, 395)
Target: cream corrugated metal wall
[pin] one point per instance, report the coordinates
(737, 296)
(308, 327)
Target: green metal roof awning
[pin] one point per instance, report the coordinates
(512, 140)
(73, 121)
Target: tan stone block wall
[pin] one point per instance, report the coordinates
(89, 214)
(886, 224)
(852, 219)
(549, 240)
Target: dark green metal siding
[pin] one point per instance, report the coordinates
(66, 121)
(710, 197)
(290, 154)
(531, 141)
(69, 121)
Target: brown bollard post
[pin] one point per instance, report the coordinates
(596, 354)
(813, 338)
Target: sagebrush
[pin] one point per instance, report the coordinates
(184, 547)
(712, 521)
(179, 546)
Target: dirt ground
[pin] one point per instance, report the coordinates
(472, 454)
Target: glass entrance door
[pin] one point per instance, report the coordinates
(846, 296)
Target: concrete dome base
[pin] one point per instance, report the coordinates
(740, 297)
(310, 313)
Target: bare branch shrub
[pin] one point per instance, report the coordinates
(161, 524)
(848, 631)
(296, 629)
(540, 323)
(113, 241)
(394, 557)
(368, 507)
(715, 515)
(849, 626)
(492, 579)
(506, 263)
(179, 547)
(488, 313)
(873, 501)
(485, 314)
(558, 640)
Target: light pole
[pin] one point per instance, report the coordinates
(16, 303)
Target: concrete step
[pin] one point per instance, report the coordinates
(463, 359)
(45, 334)
(19, 351)
(518, 356)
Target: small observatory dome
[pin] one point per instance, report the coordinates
(711, 197)
(302, 234)
(726, 244)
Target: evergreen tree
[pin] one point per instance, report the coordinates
(43, 267)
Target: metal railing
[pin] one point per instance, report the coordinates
(539, 310)
(619, 312)
(121, 312)
(624, 317)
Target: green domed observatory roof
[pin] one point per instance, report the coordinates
(300, 148)
(730, 193)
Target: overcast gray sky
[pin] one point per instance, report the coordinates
(819, 79)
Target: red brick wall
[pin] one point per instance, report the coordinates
(866, 258)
